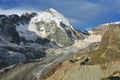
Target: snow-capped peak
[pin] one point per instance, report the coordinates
(47, 17)
(59, 16)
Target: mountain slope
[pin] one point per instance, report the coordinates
(101, 29)
(40, 61)
(109, 49)
(54, 26)
(9, 30)
(95, 62)
(26, 38)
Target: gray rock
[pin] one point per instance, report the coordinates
(9, 33)
(54, 27)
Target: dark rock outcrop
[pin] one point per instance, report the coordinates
(8, 26)
(9, 33)
(11, 55)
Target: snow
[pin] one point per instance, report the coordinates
(92, 38)
(112, 23)
(90, 32)
(78, 45)
(24, 32)
(66, 51)
(43, 32)
(47, 16)
(60, 17)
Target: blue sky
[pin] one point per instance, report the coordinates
(83, 14)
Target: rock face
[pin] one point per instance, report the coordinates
(9, 33)
(101, 29)
(18, 54)
(74, 71)
(8, 57)
(8, 26)
(52, 25)
(109, 49)
(37, 36)
(11, 50)
(26, 37)
(101, 60)
(7, 29)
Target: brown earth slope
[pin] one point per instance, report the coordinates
(92, 63)
(109, 49)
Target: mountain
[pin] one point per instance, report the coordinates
(99, 30)
(27, 37)
(8, 25)
(98, 61)
(31, 43)
(48, 28)
(54, 26)
(109, 49)
(45, 46)
(11, 50)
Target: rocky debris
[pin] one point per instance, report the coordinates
(46, 29)
(82, 59)
(114, 76)
(52, 70)
(68, 71)
(8, 57)
(84, 62)
(12, 55)
(107, 55)
(14, 30)
(116, 73)
(53, 56)
(20, 72)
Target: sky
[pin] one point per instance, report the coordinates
(82, 14)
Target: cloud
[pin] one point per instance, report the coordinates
(14, 11)
(85, 13)
(81, 10)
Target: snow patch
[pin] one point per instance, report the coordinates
(25, 33)
(60, 17)
(80, 44)
(112, 23)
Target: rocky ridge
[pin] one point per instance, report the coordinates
(19, 44)
(39, 53)
(54, 26)
(102, 60)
